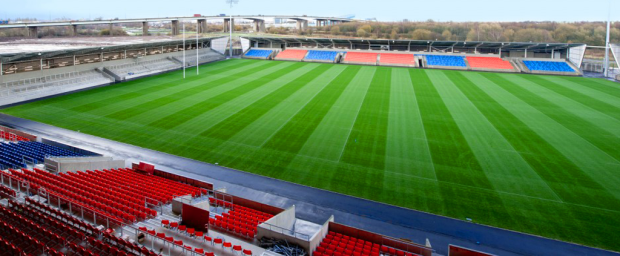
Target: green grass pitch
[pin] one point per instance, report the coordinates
(536, 154)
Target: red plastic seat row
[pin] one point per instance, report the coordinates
(293, 54)
(117, 209)
(339, 245)
(397, 58)
(361, 57)
(8, 191)
(489, 63)
(12, 136)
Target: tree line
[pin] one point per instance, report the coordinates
(591, 33)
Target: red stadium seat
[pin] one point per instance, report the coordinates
(397, 58)
(292, 54)
(489, 63)
(361, 57)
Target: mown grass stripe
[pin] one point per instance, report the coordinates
(188, 88)
(601, 167)
(94, 100)
(604, 135)
(407, 147)
(599, 84)
(230, 126)
(84, 97)
(452, 157)
(279, 116)
(258, 90)
(566, 179)
(367, 140)
(584, 90)
(186, 114)
(577, 94)
(128, 99)
(215, 88)
(295, 133)
(503, 165)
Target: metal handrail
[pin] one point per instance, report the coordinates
(304, 237)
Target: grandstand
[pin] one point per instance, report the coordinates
(322, 56)
(474, 56)
(310, 120)
(363, 58)
(139, 69)
(445, 61)
(60, 214)
(205, 56)
(259, 54)
(292, 54)
(18, 154)
(398, 59)
(543, 66)
(13, 91)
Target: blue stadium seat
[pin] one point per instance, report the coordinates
(12, 154)
(258, 53)
(553, 66)
(446, 61)
(321, 55)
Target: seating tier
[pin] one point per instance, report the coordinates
(292, 54)
(397, 58)
(336, 244)
(551, 66)
(445, 61)
(321, 55)
(361, 57)
(488, 63)
(255, 53)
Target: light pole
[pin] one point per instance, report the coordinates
(607, 41)
(197, 59)
(230, 22)
(184, 50)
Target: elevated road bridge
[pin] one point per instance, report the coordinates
(259, 22)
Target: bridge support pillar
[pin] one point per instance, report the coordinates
(202, 26)
(74, 30)
(145, 28)
(259, 26)
(33, 32)
(111, 28)
(302, 25)
(175, 27)
(227, 23)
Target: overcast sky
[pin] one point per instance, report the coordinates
(386, 10)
